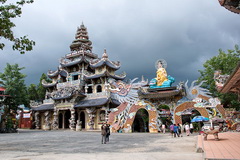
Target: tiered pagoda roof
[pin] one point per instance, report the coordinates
(85, 64)
(81, 41)
(104, 61)
(109, 65)
(231, 5)
(233, 82)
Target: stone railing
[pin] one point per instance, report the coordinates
(48, 101)
(98, 95)
(77, 53)
(75, 83)
(66, 61)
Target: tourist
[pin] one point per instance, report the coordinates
(163, 128)
(108, 132)
(171, 129)
(182, 128)
(179, 130)
(191, 128)
(104, 132)
(175, 130)
(187, 129)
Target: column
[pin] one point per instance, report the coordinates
(47, 120)
(72, 123)
(37, 120)
(55, 120)
(91, 114)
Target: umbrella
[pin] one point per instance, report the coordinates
(200, 119)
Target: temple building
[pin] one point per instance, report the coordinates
(77, 96)
(85, 92)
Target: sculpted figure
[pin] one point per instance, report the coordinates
(162, 80)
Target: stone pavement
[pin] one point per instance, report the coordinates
(227, 148)
(66, 144)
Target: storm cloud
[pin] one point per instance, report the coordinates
(137, 33)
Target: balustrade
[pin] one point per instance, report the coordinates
(75, 83)
(48, 100)
(98, 95)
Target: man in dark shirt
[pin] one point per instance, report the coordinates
(104, 133)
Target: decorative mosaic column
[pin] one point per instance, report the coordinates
(37, 120)
(72, 123)
(47, 120)
(91, 114)
(55, 120)
(107, 112)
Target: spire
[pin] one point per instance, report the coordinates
(82, 25)
(105, 54)
(81, 41)
(143, 79)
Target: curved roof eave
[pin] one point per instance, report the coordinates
(54, 74)
(105, 74)
(105, 62)
(92, 102)
(43, 107)
(83, 59)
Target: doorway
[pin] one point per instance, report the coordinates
(67, 116)
(141, 121)
(82, 118)
(60, 120)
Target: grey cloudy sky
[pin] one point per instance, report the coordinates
(135, 32)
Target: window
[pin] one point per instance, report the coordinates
(89, 89)
(75, 77)
(99, 88)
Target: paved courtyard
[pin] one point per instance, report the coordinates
(66, 144)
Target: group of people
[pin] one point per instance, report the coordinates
(175, 129)
(105, 132)
(178, 129)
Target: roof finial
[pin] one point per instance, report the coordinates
(143, 79)
(105, 54)
(82, 25)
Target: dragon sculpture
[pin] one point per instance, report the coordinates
(127, 95)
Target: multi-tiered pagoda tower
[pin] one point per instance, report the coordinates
(77, 96)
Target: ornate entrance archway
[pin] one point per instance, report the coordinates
(140, 123)
(152, 113)
(188, 105)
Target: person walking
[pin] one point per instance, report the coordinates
(163, 128)
(108, 132)
(175, 130)
(187, 129)
(179, 130)
(191, 128)
(104, 132)
(171, 129)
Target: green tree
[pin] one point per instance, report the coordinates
(9, 11)
(40, 89)
(32, 92)
(13, 81)
(226, 62)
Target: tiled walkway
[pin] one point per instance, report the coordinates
(228, 147)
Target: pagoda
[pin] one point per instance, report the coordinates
(77, 97)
